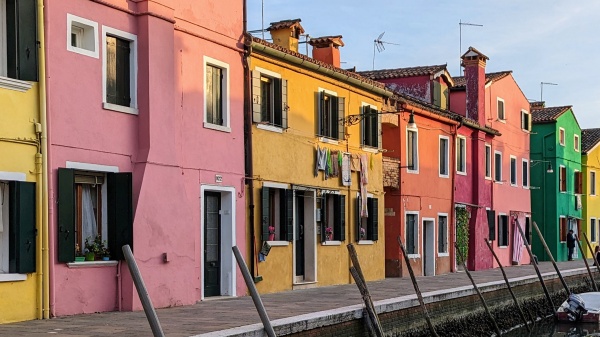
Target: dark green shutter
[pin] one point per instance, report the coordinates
(358, 219)
(111, 70)
(373, 219)
(324, 223)
(256, 103)
(277, 102)
(119, 212)
(21, 33)
(491, 218)
(289, 214)
(334, 118)
(437, 94)
(364, 111)
(123, 73)
(410, 234)
(22, 239)
(66, 215)
(265, 213)
(341, 118)
(319, 96)
(284, 104)
(339, 231)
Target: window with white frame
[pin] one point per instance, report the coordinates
(330, 116)
(82, 36)
(592, 183)
(442, 234)
(502, 230)
(576, 143)
(561, 136)
(562, 171)
(412, 233)
(269, 98)
(461, 155)
(593, 230)
(444, 156)
(488, 161)
(525, 173)
(120, 70)
(513, 171)
(498, 166)
(501, 112)
(525, 120)
(18, 40)
(216, 94)
(412, 150)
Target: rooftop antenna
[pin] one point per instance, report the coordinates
(542, 89)
(378, 45)
(460, 24)
(262, 18)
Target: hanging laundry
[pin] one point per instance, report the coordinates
(364, 180)
(371, 161)
(346, 171)
(329, 164)
(364, 172)
(335, 167)
(355, 163)
(321, 160)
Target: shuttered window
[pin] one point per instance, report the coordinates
(513, 171)
(501, 114)
(269, 100)
(461, 155)
(20, 54)
(491, 220)
(563, 179)
(412, 150)
(118, 71)
(214, 95)
(502, 230)
(370, 126)
(277, 214)
(578, 181)
(443, 234)
(333, 216)
(368, 228)
(330, 115)
(498, 166)
(412, 234)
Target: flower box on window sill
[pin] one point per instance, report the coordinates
(92, 264)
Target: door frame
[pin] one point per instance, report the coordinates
(310, 239)
(428, 255)
(228, 266)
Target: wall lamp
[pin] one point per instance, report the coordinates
(411, 121)
(548, 170)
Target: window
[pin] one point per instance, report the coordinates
(369, 126)
(18, 39)
(525, 173)
(216, 95)
(592, 183)
(269, 97)
(563, 179)
(491, 219)
(578, 182)
(92, 204)
(412, 150)
(461, 155)
(330, 116)
(501, 114)
(576, 143)
(277, 214)
(120, 70)
(593, 233)
(333, 216)
(561, 136)
(528, 230)
(82, 36)
(513, 171)
(525, 121)
(368, 228)
(502, 230)
(17, 231)
(442, 234)
(563, 229)
(498, 166)
(444, 154)
(488, 161)
(412, 233)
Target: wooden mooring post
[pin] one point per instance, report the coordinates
(508, 285)
(597, 263)
(537, 270)
(373, 323)
(562, 280)
(487, 310)
(417, 290)
(587, 266)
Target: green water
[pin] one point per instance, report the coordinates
(552, 329)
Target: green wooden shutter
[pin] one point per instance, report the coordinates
(358, 219)
(324, 223)
(284, 104)
(437, 94)
(256, 103)
(334, 120)
(21, 34)
(339, 231)
(289, 214)
(373, 219)
(319, 96)
(22, 239)
(265, 213)
(491, 218)
(341, 118)
(66, 215)
(123, 72)
(277, 102)
(119, 212)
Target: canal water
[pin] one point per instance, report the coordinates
(550, 328)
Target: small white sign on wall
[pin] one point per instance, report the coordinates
(218, 178)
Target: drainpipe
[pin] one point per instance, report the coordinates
(44, 150)
(452, 219)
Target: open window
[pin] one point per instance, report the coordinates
(269, 98)
(368, 228)
(461, 155)
(502, 230)
(412, 233)
(277, 214)
(120, 70)
(330, 115)
(369, 126)
(333, 215)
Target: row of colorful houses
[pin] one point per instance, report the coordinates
(163, 125)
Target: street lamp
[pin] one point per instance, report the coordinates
(548, 170)
(411, 121)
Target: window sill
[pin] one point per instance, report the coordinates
(216, 127)
(461, 173)
(526, 187)
(16, 85)
(502, 247)
(501, 120)
(369, 149)
(83, 51)
(331, 243)
(12, 277)
(278, 243)
(488, 178)
(444, 176)
(92, 264)
(412, 171)
(119, 108)
(414, 256)
(498, 182)
(443, 254)
(329, 141)
(514, 185)
(269, 127)
(366, 242)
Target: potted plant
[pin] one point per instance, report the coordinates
(105, 252)
(78, 256)
(363, 233)
(93, 247)
(271, 233)
(328, 233)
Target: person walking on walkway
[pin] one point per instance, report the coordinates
(570, 244)
(596, 255)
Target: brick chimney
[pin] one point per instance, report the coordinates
(474, 63)
(326, 49)
(537, 105)
(286, 33)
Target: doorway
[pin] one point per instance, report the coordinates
(212, 239)
(299, 240)
(428, 247)
(305, 236)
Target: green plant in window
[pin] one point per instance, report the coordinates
(462, 233)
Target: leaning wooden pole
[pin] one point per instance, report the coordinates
(562, 280)
(462, 258)
(359, 278)
(597, 263)
(417, 290)
(508, 285)
(537, 270)
(587, 266)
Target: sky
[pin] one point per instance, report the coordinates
(539, 40)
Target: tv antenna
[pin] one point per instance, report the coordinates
(542, 89)
(379, 45)
(460, 24)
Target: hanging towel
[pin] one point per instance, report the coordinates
(355, 163)
(364, 181)
(329, 164)
(335, 167)
(321, 160)
(364, 173)
(371, 161)
(346, 172)
(340, 159)
(517, 249)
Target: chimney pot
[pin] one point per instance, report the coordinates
(285, 33)
(326, 49)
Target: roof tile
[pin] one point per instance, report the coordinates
(589, 139)
(545, 115)
(460, 82)
(402, 72)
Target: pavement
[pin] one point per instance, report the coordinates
(225, 313)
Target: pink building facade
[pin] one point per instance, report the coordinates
(145, 119)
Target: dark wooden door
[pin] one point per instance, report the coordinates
(299, 243)
(212, 240)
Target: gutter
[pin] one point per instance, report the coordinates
(319, 69)
(474, 125)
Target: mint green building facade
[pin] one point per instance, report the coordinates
(556, 178)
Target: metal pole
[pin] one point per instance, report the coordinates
(587, 266)
(591, 251)
(142, 293)
(254, 293)
(508, 285)
(416, 286)
(562, 280)
(537, 271)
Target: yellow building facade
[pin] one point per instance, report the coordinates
(590, 163)
(316, 129)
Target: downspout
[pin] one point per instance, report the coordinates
(42, 93)
(38, 226)
(453, 196)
